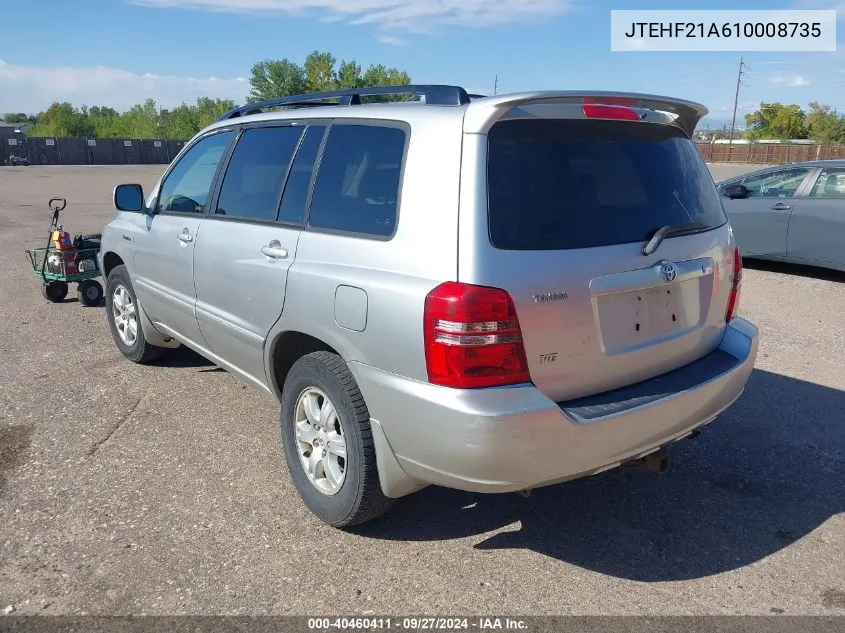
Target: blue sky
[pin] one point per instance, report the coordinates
(118, 52)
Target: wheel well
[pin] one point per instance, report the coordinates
(289, 348)
(110, 260)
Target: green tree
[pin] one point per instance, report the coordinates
(382, 76)
(105, 121)
(270, 79)
(828, 129)
(62, 119)
(349, 75)
(320, 72)
(209, 110)
(274, 78)
(776, 120)
(180, 123)
(824, 125)
(18, 117)
(141, 121)
(817, 112)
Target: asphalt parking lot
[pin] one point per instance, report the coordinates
(162, 489)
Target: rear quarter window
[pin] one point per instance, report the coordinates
(568, 184)
(359, 180)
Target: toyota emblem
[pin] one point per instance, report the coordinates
(669, 272)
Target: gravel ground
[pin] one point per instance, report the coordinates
(162, 490)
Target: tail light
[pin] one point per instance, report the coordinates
(736, 287)
(472, 337)
(600, 111)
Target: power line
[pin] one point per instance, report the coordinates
(736, 103)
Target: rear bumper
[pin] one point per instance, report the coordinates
(512, 438)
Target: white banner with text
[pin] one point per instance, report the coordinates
(706, 30)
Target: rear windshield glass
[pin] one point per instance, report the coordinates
(563, 184)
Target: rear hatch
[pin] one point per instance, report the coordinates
(571, 204)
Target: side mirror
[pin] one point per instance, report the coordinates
(129, 198)
(736, 192)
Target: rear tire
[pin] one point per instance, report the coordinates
(89, 292)
(122, 312)
(341, 491)
(54, 291)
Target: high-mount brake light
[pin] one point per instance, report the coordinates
(736, 287)
(472, 337)
(624, 101)
(602, 111)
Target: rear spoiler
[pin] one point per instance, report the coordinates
(483, 113)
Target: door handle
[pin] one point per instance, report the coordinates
(780, 206)
(274, 250)
(185, 237)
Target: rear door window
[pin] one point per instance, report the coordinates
(560, 184)
(256, 173)
(295, 198)
(831, 184)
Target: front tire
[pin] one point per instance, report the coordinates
(328, 442)
(125, 326)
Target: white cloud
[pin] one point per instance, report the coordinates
(32, 89)
(392, 40)
(742, 106)
(415, 16)
(789, 81)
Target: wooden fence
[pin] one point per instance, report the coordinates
(768, 153)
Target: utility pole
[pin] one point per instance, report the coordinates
(736, 104)
(496, 84)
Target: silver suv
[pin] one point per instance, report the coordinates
(484, 293)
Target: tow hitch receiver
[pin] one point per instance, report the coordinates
(657, 462)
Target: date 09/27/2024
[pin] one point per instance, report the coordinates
(417, 624)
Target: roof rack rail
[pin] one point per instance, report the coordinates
(433, 94)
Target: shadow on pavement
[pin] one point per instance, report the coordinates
(15, 442)
(184, 356)
(812, 272)
(766, 473)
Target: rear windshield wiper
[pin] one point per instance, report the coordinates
(651, 245)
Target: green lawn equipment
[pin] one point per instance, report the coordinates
(67, 260)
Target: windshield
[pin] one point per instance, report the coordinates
(560, 184)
